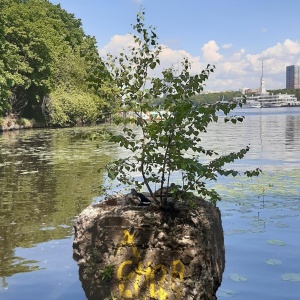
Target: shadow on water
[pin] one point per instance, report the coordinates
(46, 177)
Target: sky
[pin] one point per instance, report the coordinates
(234, 35)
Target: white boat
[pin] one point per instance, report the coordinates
(265, 99)
(254, 104)
(272, 100)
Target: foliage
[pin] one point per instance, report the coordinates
(4, 76)
(101, 82)
(43, 49)
(72, 107)
(25, 122)
(107, 272)
(112, 297)
(171, 143)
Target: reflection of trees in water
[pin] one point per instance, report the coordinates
(292, 130)
(46, 178)
(279, 134)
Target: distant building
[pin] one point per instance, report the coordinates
(243, 90)
(250, 91)
(293, 77)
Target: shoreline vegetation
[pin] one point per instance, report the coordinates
(50, 69)
(11, 122)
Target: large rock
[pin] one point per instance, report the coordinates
(126, 251)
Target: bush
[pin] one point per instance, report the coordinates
(25, 122)
(69, 108)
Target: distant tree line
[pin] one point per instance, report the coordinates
(48, 66)
(210, 97)
(215, 97)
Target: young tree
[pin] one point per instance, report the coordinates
(169, 143)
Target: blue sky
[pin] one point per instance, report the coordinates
(235, 35)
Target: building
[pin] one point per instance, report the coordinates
(293, 77)
(247, 91)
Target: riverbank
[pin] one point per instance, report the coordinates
(13, 123)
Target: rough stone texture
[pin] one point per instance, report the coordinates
(152, 254)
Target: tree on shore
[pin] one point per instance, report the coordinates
(45, 62)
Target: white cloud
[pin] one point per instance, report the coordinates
(227, 46)
(233, 71)
(238, 55)
(117, 44)
(288, 47)
(171, 57)
(210, 52)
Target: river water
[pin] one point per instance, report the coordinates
(48, 176)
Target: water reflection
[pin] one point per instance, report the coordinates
(292, 132)
(273, 136)
(46, 177)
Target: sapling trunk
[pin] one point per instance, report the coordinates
(164, 168)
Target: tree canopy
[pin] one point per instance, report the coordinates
(46, 60)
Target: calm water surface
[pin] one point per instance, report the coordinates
(47, 177)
